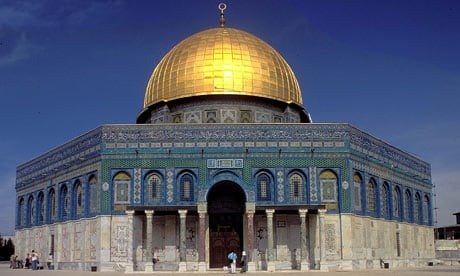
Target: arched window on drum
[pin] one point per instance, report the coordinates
(328, 184)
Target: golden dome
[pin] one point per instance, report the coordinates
(222, 61)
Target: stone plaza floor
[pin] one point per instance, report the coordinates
(441, 270)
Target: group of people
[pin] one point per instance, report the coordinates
(233, 257)
(31, 261)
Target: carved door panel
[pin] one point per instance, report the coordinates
(221, 243)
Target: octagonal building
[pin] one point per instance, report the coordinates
(224, 156)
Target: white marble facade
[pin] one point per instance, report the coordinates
(338, 242)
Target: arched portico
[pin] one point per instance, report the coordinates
(226, 206)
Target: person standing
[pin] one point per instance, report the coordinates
(34, 260)
(50, 261)
(244, 262)
(232, 257)
(27, 265)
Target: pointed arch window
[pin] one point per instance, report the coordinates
(295, 185)
(263, 187)
(64, 202)
(417, 208)
(78, 198)
(20, 212)
(186, 188)
(93, 195)
(397, 202)
(52, 205)
(357, 183)
(426, 209)
(122, 184)
(328, 183)
(384, 203)
(41, 208)
(30, 211)
(370, 195)
(407, 206)
(154, 187)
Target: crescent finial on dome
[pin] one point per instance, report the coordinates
(222, 7)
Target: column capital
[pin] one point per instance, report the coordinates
(303, 212)
(202, 208)
(322, 211)
(130, 212)
(250, 207)
(182, 213)
(149, 212)
(270, 212)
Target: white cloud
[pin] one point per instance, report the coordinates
(22, 49)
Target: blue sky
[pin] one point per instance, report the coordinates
(390, 68)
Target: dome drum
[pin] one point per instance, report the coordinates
(223, 109)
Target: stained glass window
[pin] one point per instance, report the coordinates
(41, 207)
(186, 187)
(31, 210)
(370, 195)
(64, 201)
(20, 211)
(52, 204)
(407, 205)
(426, 209)
(417, 208)
(384, 204)
(295, 184)
(154, 187)
(263, 187)
(397, 202)
(93, 195)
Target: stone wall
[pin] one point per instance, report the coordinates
(448, 251)
(366, 241)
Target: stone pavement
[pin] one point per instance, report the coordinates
(420, 271)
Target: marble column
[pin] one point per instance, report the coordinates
(322, 240)
(202, 215)
(183, 241)
(304, 261)
(270, 240)
(130, 262)
(149, 241)
(250, 210)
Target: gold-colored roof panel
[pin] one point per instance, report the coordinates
(222, 61)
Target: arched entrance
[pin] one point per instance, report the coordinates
(226, 202)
